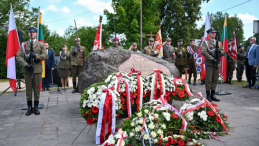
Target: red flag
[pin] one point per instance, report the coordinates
(98, 38)
(11, 50)
(158, 42)
(205, 37)
(233, 48)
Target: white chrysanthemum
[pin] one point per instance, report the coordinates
(84, 103)
(167, 116)
(159, 132)
(164, 126)
(140, 121)
(155, 141)
(156, 115)
(132, 124)
(190, 115)
(195, 100)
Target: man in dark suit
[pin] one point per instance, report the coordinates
(49, 65)
(251, 62)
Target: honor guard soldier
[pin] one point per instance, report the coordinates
(212, 73)
(168, 51)
(151, 49)
(116, 43)
(230, 64)
(133, 47)
(77, 61)
(181, 57)
(32, 68)
(241, 58)
(191, 62)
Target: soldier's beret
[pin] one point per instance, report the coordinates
(134, 44)
(192, 40)
(211, 30)
(180, 41)
(115, 39)
(77, 39)
(168, 39)
(32, 29)
(151, 39)
(229, 40)
(241, 45)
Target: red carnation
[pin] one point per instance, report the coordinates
(178, 137)
(144, 94)
(169, 139)
(182, 90)
(148, 91)
(86, 114)
(214, 104)
(132, 101)
(174, 116)
(95, 109)
(197, 144)
(225, 117)
(188, 140)
(218, 119)
(216, 110)
(174, 141)
(160, 142)
(124, 93)
(124, 107)
(167, 93)
(192, 127)
(181, 94)
(193, 131)
(116, 129)
(121, 98)
(173, 93)
(199, 130)
(167, 144)
(117, 115)
(90, 121)
(207, 105)
(176, 90)
(123, 102)
(210, 113)
(181, 143)
(168, 98)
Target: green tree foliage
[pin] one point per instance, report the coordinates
(180, 19)
(128, 22)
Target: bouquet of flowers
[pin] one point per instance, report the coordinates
(204, 117)
(155, 86)
(182, 91)
(90, 101)
(179, 140)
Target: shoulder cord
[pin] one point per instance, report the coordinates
(64, 58)
(23, 49)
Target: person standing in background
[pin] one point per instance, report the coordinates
(49, 66)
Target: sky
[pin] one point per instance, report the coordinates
(60, 14)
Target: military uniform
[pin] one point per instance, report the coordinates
(230, 67)
(114, 46)
(32, 83)
(191, 63)
(169, 52)
(78, 57)
(63, 65)
(147, 50)
(241, 58)
(181, 58)
(212, 74)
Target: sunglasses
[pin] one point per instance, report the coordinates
(168, 41)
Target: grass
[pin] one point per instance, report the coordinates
(4, 80)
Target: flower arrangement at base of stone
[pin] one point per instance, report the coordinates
(182, 91)
(204, 118)
(90, 101)
(154, 84)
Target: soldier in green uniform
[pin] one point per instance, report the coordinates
(151, 49)
(181, 57)
(212, 74)
(168, 51)
(241, 58)
(32, 73)
(77, 61)
(134, 47)
(230, 64)
(191, 63)
(116, 43)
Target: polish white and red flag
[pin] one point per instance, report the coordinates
(158, 43)
(11, 50)
(98, 38)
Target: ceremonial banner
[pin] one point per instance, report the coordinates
(198, 58)
(98, 38)
(158, 42)
(11, 50)
(40, 38)
(224, 42)
(233, 49)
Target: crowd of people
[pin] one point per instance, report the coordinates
(179, 56)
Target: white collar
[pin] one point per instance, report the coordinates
(151, 46)
(33, 41)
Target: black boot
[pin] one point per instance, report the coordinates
(36, 110)
(194, 82)
(189, 81)
(202, 82)
(208, 96)
(229, 81)
(226, 81)
(213, 97)
(30, 110)
(74, 87)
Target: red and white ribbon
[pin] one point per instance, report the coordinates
(106, 109)
(140, 87)
(215, 136)
(157, 76)
(213, 109)
(144, 126)
(117, 87)
(186, 87)
(123, 136)
(189, 49)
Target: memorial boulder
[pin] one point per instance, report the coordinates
(101, 63)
